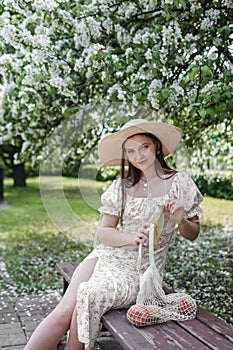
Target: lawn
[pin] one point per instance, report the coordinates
(40, 229)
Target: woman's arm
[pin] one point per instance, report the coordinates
(189, 228)
(109, 235)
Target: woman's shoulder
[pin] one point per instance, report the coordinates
(187, 182)
(114, 186)
(116, 183)
(184, 175)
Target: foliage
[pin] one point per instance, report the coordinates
(218, 186)
(168, 55)
(103, 173)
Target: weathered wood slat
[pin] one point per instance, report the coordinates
(215, 323)
(205, 334)
(169, 335)
(66, 269)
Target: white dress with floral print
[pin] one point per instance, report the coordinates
(115, 280)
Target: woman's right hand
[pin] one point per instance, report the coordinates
(143, 235)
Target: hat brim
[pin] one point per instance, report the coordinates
(110, 147)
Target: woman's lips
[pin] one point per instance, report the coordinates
(141, 163)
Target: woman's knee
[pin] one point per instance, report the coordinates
(62, 315)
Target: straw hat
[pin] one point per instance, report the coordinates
(110, 147)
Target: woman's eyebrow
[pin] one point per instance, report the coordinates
(143, 144)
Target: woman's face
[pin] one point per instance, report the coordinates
(140, 151)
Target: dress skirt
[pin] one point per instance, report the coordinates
(114, 284)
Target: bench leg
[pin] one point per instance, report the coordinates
(65, 286)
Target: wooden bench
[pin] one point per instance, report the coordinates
(205, 332)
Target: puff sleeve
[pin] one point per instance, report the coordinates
(111, 199)
(190, 195)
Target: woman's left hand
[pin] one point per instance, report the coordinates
(174, 209)
(143, 235)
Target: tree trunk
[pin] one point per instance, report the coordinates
(19, 175)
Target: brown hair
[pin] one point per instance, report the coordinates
(134, 174)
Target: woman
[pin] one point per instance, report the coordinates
(109, 277)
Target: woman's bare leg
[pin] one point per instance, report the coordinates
(51, 330)
(73, 343)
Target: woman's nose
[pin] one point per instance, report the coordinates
(139, 155)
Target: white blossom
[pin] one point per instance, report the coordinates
(89, 73)
(148, 54)
(115, 58)
(103, 75)
(47, 5)
(113, 89)
(25, 145)
(94, 27)
(108, 25)
(82, 35)
(155, 84)
(195, 6)
(79, 64)
(178, 88)
(211, 17)
(128, 52)
(153, 99)
(228, 3)
(164, 2)
(130, 68)
(121, 94)
(207, 87)
(213, 54)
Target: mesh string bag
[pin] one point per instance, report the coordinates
(153, 306)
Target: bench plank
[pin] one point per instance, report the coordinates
(217, 324)
(169, 335)
(66, 270)
(205, 334)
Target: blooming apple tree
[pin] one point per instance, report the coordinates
(172, 56)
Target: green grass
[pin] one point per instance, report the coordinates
(27, 210)
(217, 211)
(33, 239)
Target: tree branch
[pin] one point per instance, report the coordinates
(226, 52)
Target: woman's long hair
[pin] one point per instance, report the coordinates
(134, 174)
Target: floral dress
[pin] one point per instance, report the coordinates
(115, 281)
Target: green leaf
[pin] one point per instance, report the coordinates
(156, 54)
(206, 71)
(194, 73)
(165, 93)
(137, 56)
(202, 112)
(37, 112)
(228, 95)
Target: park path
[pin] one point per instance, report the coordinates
(19, 316)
